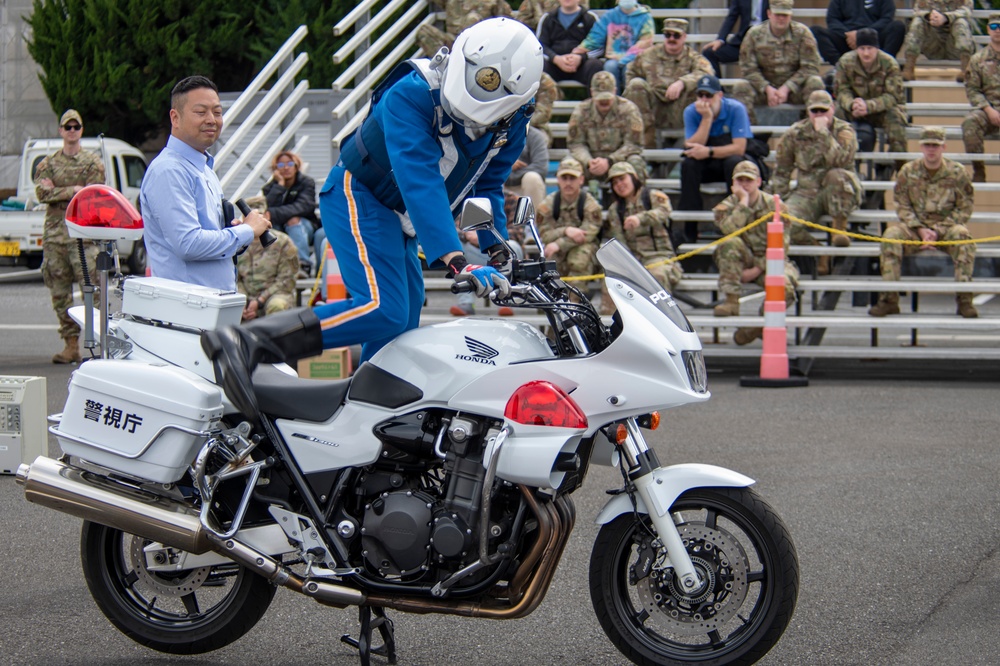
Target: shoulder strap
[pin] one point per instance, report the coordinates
(580, 201)
(556, 206)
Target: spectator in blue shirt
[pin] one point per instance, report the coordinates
(181, 197)
(716, 131)
(620, 35)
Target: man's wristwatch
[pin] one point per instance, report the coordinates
(711, 152)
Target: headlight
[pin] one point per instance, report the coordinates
(694, 363)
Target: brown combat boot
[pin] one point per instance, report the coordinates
(908, 68)
(888, 304)
(978, 172)
(965, 306)
(71, 354)
(823, 264)
(747, 334)
(731, 308)
(840, 224)
(961, 69)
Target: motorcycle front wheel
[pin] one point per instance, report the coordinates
(184, 612)
(748, 566)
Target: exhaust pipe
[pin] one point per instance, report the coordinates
(71, 490)
(58, 486)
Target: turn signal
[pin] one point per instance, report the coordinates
(649, 421)
(621, 434)
(545, 404)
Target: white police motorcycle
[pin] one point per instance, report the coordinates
(438, 479)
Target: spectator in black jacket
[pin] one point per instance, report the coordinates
(561, 32)
(845, 17)
(726, 46)
(291, 203)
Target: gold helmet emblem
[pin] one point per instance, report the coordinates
(488, 78)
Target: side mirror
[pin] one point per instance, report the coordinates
(477, 214)
(525, 212)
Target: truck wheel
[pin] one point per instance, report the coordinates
(137, 260)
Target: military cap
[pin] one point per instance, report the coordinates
(71, 114)
(781, 6)
(932, 134)
(866, 37)
(746, 169)
(569, 165)
(620, 169)
(675, 25)
(603, 86)
(709, 83)
(994, 18)
(819, 99)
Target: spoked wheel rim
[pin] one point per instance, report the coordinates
(182, 602)
(715, 620)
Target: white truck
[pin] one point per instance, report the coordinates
(22, 217)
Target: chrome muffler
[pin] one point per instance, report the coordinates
(86, 495)
(79, 493)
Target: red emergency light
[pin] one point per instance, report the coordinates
(100, 212)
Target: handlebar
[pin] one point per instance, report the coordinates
(462, 287)
(267, 237)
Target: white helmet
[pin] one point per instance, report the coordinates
(493, 69)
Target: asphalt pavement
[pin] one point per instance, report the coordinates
(885, 472)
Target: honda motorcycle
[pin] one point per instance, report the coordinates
(438, 479)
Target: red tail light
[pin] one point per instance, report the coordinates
(545, 404)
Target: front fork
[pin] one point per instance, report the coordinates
(642, 462)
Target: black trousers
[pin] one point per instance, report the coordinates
(693, 174)
(832, 45)
(587, 69)
(726, 53)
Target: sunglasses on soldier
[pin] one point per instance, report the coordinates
(994, 26)
(71, 128)
(673, 35)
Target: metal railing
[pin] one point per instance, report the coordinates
(256, 155)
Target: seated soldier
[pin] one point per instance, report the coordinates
(639, 217)
(459, 15)
(743, 259)
(605, 129)
(569, 222)
(940, 30)
(267, 276)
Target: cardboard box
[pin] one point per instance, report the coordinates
(331, 364)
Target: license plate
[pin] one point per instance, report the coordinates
(10, 248)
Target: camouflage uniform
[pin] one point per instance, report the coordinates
(982, 86)
(648, 78)
(61, 265)
(269, 274)
(572, 259)
(650, 241)
(941, 201)
(882, 90)
(616, 135)
(791, 60)
(951, 41)
(531, 11)
(827, 182)
(545, 98)
(459, 15)
(749, 249)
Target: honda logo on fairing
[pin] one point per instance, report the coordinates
(480, 352)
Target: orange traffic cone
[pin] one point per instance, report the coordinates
(335, 289)
(774, 358)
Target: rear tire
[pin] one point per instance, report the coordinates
(739, 546)
(189, 612)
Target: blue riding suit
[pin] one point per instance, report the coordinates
(405, 178)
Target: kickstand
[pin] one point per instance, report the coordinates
(364, 640)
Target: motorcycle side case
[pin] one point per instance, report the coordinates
(181, 303)
(117, 410)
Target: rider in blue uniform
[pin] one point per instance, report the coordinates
(438, 131)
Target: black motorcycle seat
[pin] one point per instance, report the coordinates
(283, 396)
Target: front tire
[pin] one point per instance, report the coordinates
(187, 612)
(740, 548)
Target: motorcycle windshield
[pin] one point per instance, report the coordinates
(619, 263)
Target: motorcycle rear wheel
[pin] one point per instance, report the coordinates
(743, 552)
(192, 612)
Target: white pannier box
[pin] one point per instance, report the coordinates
(117, 412)
(181, 303)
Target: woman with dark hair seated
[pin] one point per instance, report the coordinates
(291, 203)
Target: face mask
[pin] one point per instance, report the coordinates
(628, 5)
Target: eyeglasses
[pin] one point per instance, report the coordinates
(71, 128)
(282, 165)
(673, 35)
(818, 110)
(705, 95)
(994, 26)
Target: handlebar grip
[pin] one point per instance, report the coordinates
(267, 237)
(462, 287)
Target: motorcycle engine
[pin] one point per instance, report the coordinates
(397, 531)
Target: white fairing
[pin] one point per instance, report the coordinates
(345, 440)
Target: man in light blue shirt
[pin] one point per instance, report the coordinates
(181, 197)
